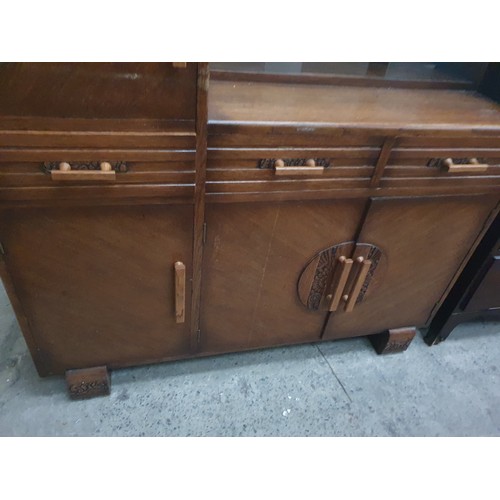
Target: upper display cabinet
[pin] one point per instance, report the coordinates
(109, 96)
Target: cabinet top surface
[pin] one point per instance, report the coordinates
(293, 104)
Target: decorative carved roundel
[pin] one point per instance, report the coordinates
(323, 276)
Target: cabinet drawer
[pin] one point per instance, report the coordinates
(31, 181)
(38, 174)
(287, 170)
(440, 167)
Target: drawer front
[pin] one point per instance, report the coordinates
(288, 170)
(442, 167)
(54, 175)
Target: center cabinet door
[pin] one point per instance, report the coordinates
(423, 242)
(97, 284)
(254, 256)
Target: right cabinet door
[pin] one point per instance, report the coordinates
(422, 242)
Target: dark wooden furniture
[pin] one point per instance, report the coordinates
(140, 225)
(476, 294)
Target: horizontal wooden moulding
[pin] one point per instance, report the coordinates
(258, 174)
(103, 192)
(43, 155)
(399, 154)
(470, 181)
(297, 138)
(409, 171)
(283, 184)
(93, 139)
(258, 154)
(337, 192)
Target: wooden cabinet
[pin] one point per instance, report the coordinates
(145, 215)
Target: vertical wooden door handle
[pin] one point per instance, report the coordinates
(180, 291)
(363, 268)
(342, 271)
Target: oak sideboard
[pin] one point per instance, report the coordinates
(152, 212)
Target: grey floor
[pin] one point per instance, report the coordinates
(333, 389)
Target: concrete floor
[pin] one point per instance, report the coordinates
(337, 388)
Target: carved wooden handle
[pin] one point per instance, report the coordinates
(472, 166)
(363, 268)
(180, 291)
(64, 173)
(310, 168)
(341, 274)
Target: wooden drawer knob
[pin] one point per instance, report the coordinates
(106, 166)
(64, 166)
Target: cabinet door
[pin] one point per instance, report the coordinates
(423, 242)
(254, 256)
(97, 283)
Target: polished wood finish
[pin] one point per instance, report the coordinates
(423, 242)
(310, 106)
(393, 341)
(351, 81)
(383, 158)
(199, 201)
(112, 91)
(254, 256)
(252, 187)
(88, 382)
(96, 283)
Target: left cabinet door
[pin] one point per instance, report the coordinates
(97, 284)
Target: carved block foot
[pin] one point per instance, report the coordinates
(392, 341)
(88, 382)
